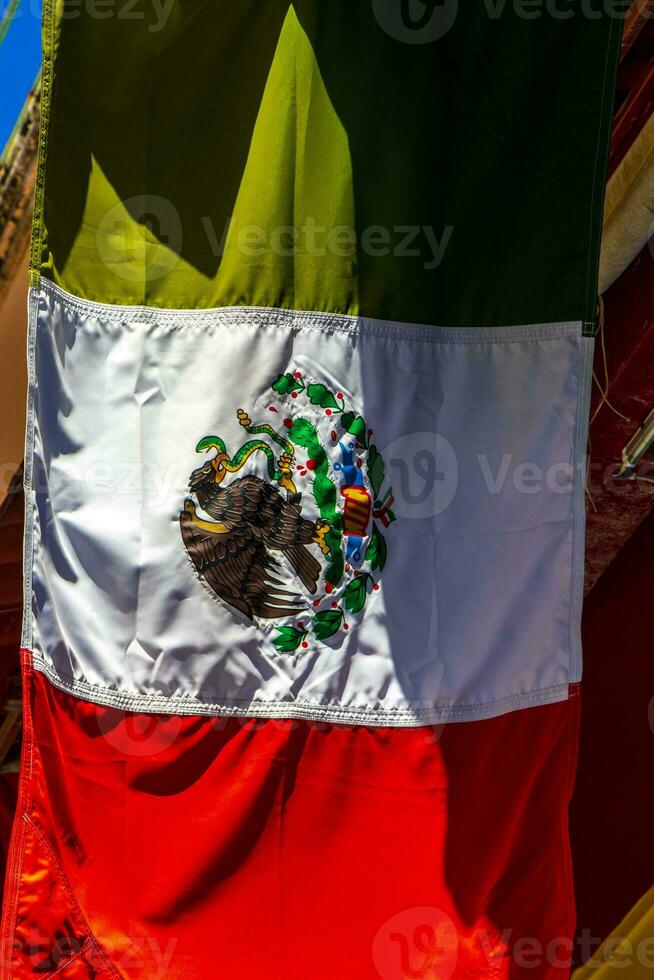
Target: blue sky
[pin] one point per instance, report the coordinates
(20, 59)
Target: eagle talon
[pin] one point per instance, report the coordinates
(212, 527)
(286, 465)
(322, 529)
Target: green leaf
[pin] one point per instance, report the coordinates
(325, 624)
(356, 594)
(288, 639)
(322, 396)
(286, 383)
(336, 566)
(375, 470)
(355, 425)
(376, 550)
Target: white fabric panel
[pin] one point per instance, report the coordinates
(482, 432)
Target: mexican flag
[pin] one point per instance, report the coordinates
(313, 295)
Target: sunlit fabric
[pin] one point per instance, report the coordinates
(312, 299)
(182, 847)
(440, 627)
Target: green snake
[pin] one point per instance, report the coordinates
(302, 433)
(239, 459)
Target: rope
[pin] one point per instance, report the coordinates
(604, 390)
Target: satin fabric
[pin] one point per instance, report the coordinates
(476, 609)
(156, 846)
(324, 154)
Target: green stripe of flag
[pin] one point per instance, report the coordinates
(326, 155)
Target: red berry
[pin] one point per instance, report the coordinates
(316, 602)
(305, 645)
(347, 568)
(311, 464)
(328, 411)
(298, 374)
(288, 423)
(271, 408)
(300, 626)
(345, 626)
(356, 572)
(339, 394)
(334, 605)
(294, 394)
(329, 588)
(376, 587)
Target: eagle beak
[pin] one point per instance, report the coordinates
(219, 472)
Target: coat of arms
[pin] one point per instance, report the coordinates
(305, 542)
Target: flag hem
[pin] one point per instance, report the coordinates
(24, 825)
(584, 390)
(393, 717)
(19, 829)
(317, 319)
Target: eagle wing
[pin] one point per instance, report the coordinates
(282, 518)
(271, 518)
(238, 568)
(249, 502)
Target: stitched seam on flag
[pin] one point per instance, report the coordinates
(394, 716)
(579, 509)
(48, 45)
(28, 473)
(70, 962)
(572, 734)
(90, 942)
(23, 823)
(327, 322)
(19, 830)
(598, 187)
(89, 946)
(12, 888)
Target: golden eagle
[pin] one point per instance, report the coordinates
(250, 519)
